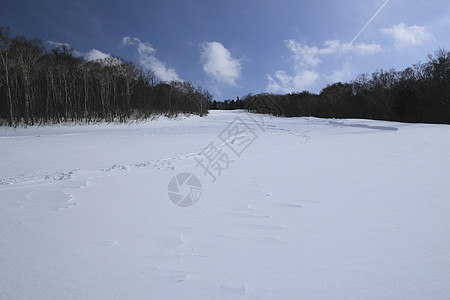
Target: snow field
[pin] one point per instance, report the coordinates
(313, 208)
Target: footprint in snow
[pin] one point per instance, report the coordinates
(235, 288)
(177, 277)
(115, 168)
(59, 176)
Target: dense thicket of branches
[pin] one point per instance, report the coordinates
(420, 93)
(39, 87)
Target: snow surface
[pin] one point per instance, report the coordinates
(312, 208)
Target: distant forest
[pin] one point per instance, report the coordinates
(419, 94)
(49, 87)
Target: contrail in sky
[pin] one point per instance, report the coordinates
(365, 26)
(370, 21)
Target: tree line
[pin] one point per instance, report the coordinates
(46, 87)
(419, 94)
(227, 104)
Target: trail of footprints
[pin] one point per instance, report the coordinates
(36, 179)
(33, 179)
(182, 245)
(46, 190)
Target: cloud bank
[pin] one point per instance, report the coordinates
(149, 61)
(219, 64)
(306, 60)
(285, 83)
(407, 36)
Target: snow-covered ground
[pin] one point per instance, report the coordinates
(300, 208)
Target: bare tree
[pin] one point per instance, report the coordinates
(27, 53)
(129, 73)
(56, 86)
(5, 44)
(439, 69)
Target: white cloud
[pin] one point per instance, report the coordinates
(95, 54)
(149, 61)
(77, 53)
(219, 64)
(341, 75)
(58, 44)
(407, 36)
(362, 48)
(305, 55)
(306, 60)
(92, 55)
(285, 83)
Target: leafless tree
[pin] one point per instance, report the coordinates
(5, 45)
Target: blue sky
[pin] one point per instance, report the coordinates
(236, 47)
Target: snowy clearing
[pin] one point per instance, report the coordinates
(303, 208)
